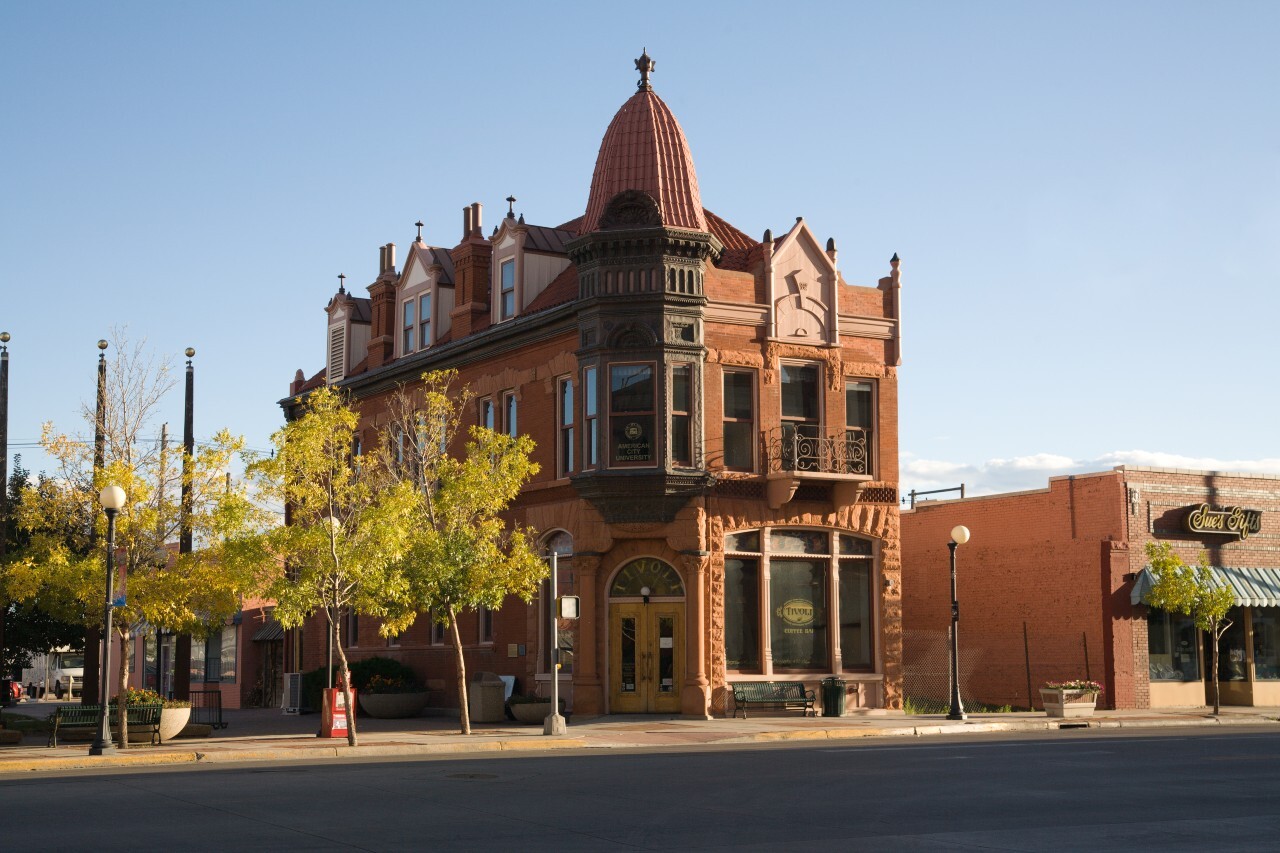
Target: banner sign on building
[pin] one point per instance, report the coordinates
(1229, 520)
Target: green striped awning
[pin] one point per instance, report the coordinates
(1254, 587)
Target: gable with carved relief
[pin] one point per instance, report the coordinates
(803, 290)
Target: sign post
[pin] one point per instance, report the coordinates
(554, 724)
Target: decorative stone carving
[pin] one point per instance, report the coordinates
(631, 209)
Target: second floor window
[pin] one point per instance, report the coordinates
(858, 434)
(486, 414)
(508, 292)
(409, 325)
(590, 420)
(631, 415)
(801, 421)
(566, 427)
(681, 407)
(509, 415)
(739, 420)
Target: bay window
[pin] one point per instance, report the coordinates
(631, 415)
(681, 441)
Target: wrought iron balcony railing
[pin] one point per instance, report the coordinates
(804, 448)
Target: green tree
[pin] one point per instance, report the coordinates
(348, 525)
(461, 554)
(1179, 588)
(62, 565)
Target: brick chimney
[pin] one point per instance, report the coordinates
(382, 299)
(472, 259)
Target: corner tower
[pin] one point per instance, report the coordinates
(641, 255)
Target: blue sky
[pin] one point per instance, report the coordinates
(1086, 196)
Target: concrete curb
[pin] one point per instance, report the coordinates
(605, 741)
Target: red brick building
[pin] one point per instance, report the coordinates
(1051, 582)
(716, 424)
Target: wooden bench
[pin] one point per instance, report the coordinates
(140, 718)
(788, 695)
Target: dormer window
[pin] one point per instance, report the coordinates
(424, 321)
(409, 327)
(507, 297)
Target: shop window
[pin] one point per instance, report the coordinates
(567, 438)
(631, 415)
(741, 609)
(484, 616)
(858, 432)
(798, 625)
(1266, 643)
(1173, 652)
(681, 407)
(410, 325)
(507, 296)
(1231, 652)
(590, 420)
(218, 663)
(739, 420)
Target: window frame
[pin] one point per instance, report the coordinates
(590, 419)
(424, 319)
(651, 414)
(487, 416)
(566, 426)
(873, 414)
(686, 413)
(510, 414)
(752, 422)
(408, 325)
(505, 313)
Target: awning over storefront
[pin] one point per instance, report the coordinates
(1254, 587)
(272, 630)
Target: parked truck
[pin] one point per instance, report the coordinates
(60, 672)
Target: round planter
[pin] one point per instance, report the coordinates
(173, 721)
(531, 712)
(393, 706)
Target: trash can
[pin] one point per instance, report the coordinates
(833, 697)
(486, 698)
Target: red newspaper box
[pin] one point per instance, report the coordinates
(334, 720)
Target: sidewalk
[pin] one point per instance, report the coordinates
(269, 735)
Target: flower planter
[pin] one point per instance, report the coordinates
(1068, 703)
(393, 706)
(173, 721)
(531, 712)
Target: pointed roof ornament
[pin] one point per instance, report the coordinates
(342, 283)
(521, 220)
(894, 260)
(645, 66)
(419, 224)
(511, 207)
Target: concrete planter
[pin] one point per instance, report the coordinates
(531, 712)
(173, 721)
(393, 706)
(1068, 703)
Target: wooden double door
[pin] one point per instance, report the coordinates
(646, 657)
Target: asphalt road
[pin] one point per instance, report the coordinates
(1069, 790)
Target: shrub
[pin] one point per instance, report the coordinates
(143, 696)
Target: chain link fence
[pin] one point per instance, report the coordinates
(997, 672)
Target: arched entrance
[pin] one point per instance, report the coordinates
(646, 638)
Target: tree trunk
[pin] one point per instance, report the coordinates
(122, 702)
(1213, 632)
(462, 672)
(344, 680)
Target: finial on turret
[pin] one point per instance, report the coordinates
(645, 66)
(419, 224)
(893, 262)
(511, 207)
(342, 283)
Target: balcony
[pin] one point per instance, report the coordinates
(843, 457)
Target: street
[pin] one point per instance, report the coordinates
(1092, 790)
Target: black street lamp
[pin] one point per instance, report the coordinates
(112, 499)
(959, 536)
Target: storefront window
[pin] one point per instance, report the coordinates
(1266, 643)
(855, 613)
(1231, 657)
(798, 621)
(741, 613)
(1172, 652)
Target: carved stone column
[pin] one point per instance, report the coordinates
(695, 696)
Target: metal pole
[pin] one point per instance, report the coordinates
(4, 470)
(957, 710)
(554, 723)
(102, 745)
(182, 642)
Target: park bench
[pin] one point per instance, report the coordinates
(788, 695)
(140, 718)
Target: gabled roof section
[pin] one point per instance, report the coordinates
(540, 238)
(360, 307)
(430, 256)
(736, 244)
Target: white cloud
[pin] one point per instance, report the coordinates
(1021, 473)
